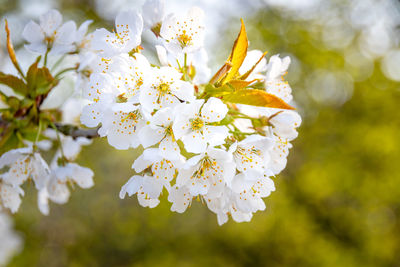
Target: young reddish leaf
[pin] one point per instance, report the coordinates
(14, 83)
(256, 97)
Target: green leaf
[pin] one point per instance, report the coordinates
(15, 83)
(255, 97)
(31, 76)
(40, 80)
(13, 102)
(44, 81)
(8, 140)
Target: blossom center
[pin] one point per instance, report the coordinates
(197, 123)
(184, 39)
(163, 88)
(134, 116)
(168, 131)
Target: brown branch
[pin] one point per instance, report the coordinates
(75, 132)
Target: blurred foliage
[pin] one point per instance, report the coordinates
(336, 204)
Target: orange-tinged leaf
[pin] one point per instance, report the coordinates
(238, 54)
(220, 73)
(11, 51)
(240, 84)
(256, 97)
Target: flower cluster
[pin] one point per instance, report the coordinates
(196, 145)
(217, 138)
(51, 181)
(50, 38)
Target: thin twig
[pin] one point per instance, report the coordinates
(75, 131)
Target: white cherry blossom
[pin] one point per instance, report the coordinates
(207, 173)
(184, 34)
(193, 124)
(164, 88)
(196, 61)
(198, 142)
(82, 39)
(285, 123)
(50, 34)
(121, 124)
(129, 75)
(23, 163)
(147, 188)
(251, 156)
(159, 131)
(153, 15)
(274, 82)
(10, 196)
(57, 188)
(125, 38)
(180, 198)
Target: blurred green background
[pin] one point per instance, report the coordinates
(338, 201)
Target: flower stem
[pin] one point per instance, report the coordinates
(45, 56)
(58, 63)
(64, 71)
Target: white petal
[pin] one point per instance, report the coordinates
(149, 136)
(43, 201)
(33, 33)
(194, 142)
(12, 155)
(36, 47)
(58, 191)
(180, 197)
(50, 21)
(10, 197)
(141, 163)
(145, 201)
(81, 175)
(81, 32)
(131, 23)
(215, 135)
(169, 149)
(214, 110)
(92, 114)
(19, 171)
(39, 171)
(164, 117)
(131, 187)
(184, 91)
(152, 187)
(153, 12)
(162, 55)
(66, 34)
